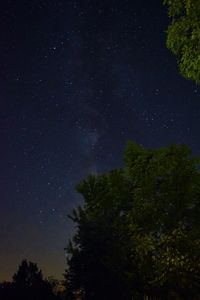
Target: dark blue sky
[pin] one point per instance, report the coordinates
(78, 79)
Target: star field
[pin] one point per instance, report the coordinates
(78, 79)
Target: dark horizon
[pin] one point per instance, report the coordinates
(79, 79)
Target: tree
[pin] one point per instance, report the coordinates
(167, 204)
(138, 230)
(28, 283)
(27, 275)
(183, 36)
(99, 263)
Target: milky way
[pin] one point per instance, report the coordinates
(78, 79)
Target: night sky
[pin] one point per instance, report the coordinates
(78, 78)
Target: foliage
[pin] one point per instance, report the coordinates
(138, 229)
(27, 275)
(183, 36)
(28, 283)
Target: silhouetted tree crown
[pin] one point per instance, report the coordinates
(28, 284)
(27, 275)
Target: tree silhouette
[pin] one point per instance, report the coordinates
(27, 275)
(28, 283)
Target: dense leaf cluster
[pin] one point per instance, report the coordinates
(183, 36)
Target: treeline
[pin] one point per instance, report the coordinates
(28, 284)
(138, 232)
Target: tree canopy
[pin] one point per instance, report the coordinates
(138, 230)
(183, 36)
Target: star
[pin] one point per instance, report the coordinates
(78, 80)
